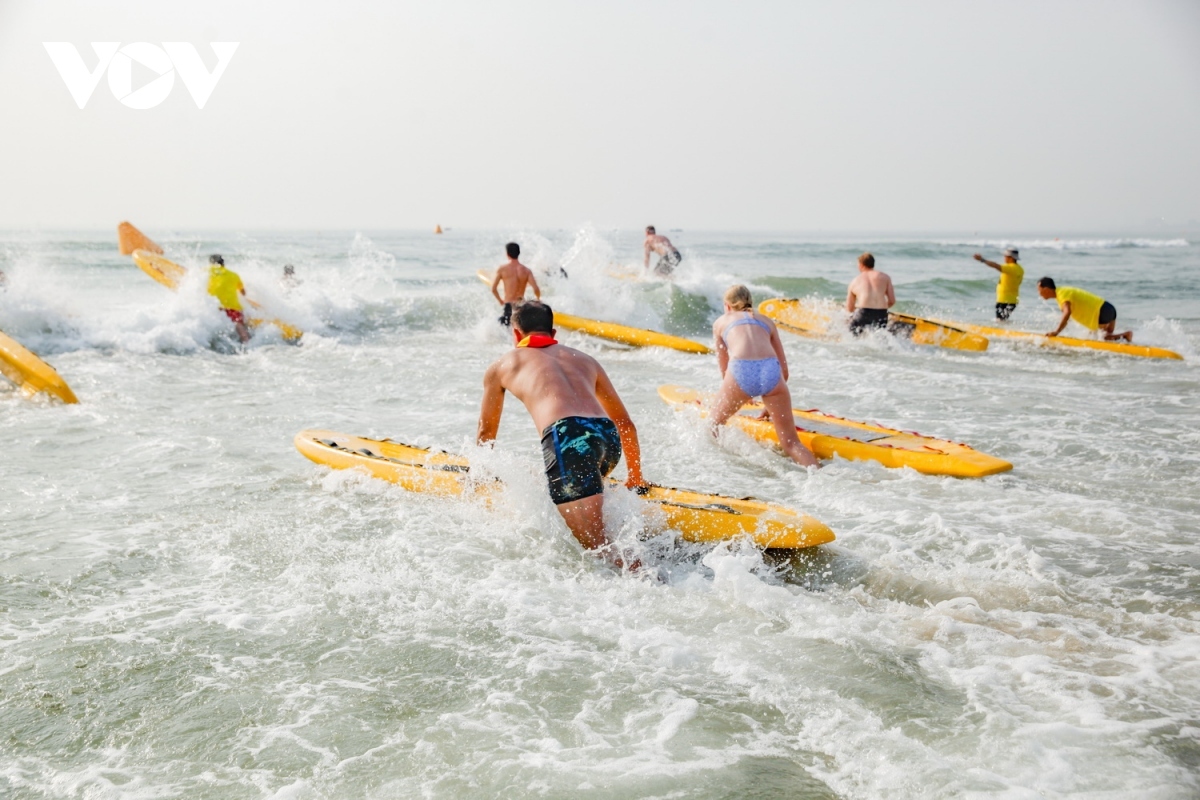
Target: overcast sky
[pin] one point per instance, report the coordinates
(915, 116)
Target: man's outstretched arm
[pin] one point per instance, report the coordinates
(491, 408)
(991, 264)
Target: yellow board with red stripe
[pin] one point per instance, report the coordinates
(1124, 348)
(698, 517)
(827, 436)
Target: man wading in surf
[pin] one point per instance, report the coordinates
(585, 427)
(668, 254)
(870, 296)
(515, 276)
(225, 285)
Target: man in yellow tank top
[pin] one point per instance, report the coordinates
(1009, 287)
(226, 285)
(1091, 311)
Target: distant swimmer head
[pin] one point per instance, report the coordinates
(513, 249)
(650, 230)
(216, 260)
(866, 261)
(533, 316)
(738, 298)
(288, 269)
(1011, 253)
(1046, 287)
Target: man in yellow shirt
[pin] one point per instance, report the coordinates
(225, 285)
(1089, 310)
(1009, 287)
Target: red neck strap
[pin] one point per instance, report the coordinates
(537, 340)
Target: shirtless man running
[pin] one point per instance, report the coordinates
(669, 256)
(585, 427)
(515, 276)
(870, 296)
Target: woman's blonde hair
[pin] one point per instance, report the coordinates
(738, 298)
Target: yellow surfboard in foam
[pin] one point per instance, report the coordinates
(616, 332)
(170, 275)
(32, 375)
(1124, 348)
(827, 436)
(809, 318)
(698, 517)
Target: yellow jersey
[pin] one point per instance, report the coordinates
(225, 285)
(1009, 286)
(1085, 306)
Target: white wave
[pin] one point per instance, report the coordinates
(1066, 244)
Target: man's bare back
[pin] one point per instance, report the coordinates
(669, 256)
(516, 278)
(552, 382)
(871, 289)
(657, 243)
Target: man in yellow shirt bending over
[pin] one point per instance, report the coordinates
(1089, 310)
(1009, 287)
(225, 285)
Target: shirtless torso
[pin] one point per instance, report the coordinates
(668, 253)
(584, 425)
(516, 277)
(871, 290)
(552, 383)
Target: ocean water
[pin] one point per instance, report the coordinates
(189, 608)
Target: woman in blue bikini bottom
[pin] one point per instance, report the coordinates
(748, 371)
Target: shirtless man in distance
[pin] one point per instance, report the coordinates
(585, 427)
(870, 296)
(515, 276)
(669, 256)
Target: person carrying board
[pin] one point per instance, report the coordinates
(753, 364)
(585, 427)
(516, 277)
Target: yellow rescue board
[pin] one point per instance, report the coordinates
(697, 517)
(827, 436)
(30, 373)
(170, 275)
(130, 238)
(625, 334)
(809, 318)
(1125, 348)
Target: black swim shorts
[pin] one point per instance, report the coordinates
(1108, 313)
(506, 317)
(1004, 310)
(667, 264)
(868, 318)
(579, 452)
